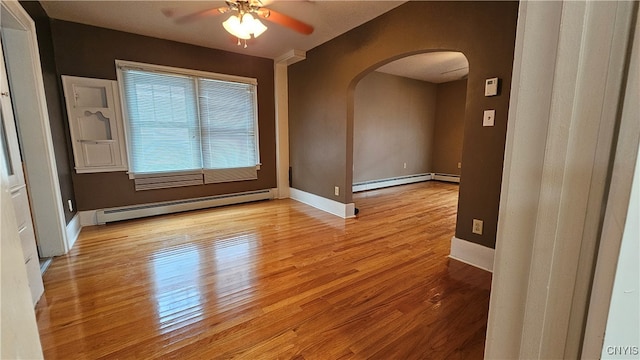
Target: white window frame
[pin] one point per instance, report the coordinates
(131, 65)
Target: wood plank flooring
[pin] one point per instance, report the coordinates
(271, 280)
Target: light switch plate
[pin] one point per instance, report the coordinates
(491, 87)
(488, 118)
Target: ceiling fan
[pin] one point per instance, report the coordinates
(243, 22)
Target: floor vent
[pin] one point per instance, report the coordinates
(137, 211)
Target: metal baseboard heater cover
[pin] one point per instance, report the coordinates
(138, 211)
(382, 183)
(403, 180)
(446, 177)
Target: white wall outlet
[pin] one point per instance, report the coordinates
(405, 165)
(70, 205)
(336, 191)
(489, 118)
(459, 165)
(477, 226)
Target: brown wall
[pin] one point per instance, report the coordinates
(321, 98)
(57, 118)
(392, 125)
(88, 51)
(449, 128)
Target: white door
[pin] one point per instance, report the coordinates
(11, 153)
(96, 129)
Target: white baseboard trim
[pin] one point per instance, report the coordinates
(447, 178)
(283, 192)
(88, 218)
(472, 254)
(73, 230)
(333, 207)
(383, 183)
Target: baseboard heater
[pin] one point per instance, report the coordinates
(447, 177)
(382, 183)
(137, 211)
(403, 180)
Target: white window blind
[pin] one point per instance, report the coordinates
(181, 123)
(229, 141)
(163, 128)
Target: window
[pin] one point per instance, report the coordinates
(182, 124)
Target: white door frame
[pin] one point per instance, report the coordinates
(616, 253)
(25, 71)
(569, 67)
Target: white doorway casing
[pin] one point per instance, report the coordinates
(569, 69)
(615, 296)
(19, 336)
(32, 120)
(282, 118)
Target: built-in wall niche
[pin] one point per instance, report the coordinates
(95, 122)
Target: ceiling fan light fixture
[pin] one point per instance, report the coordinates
(244, 27)
(234, 26)
(256, 27)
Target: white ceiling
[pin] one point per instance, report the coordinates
(435, 67)
(329, 18)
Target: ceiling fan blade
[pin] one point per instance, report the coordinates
(201, 14)
(285, 20)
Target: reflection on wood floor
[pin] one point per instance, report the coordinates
(267, 280)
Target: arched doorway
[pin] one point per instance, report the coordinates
(409, 121)
(321, 106)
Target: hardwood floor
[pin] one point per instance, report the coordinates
(271, 280)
